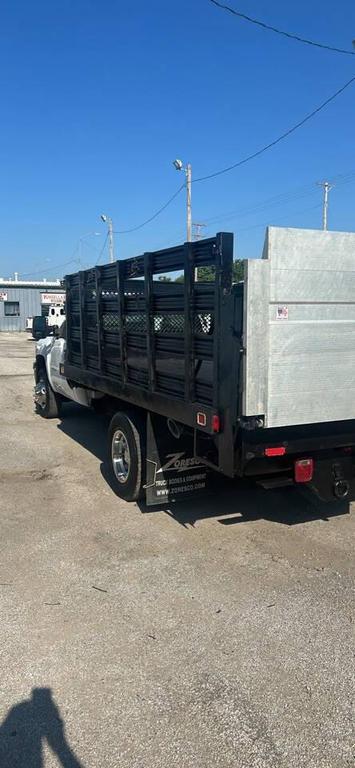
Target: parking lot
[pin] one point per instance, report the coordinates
(216, 633)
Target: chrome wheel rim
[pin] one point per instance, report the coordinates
(121, 457)
(40, 394)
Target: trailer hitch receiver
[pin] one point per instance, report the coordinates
(341, 486)
(341, 489)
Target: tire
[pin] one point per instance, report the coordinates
(126, 449)
(47, 403)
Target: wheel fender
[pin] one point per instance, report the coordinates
(43, 357)
(38, 365)
(43, 362)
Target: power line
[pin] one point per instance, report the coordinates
(169, 240)
(287, 133)
(244, 160)
(280, 31)
(103, 248)
(57, 266)
(147, 221)
(267, 223)
(280, 138)
(281, 199)
(270, 202)
(240, 162)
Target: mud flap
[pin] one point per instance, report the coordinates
(172, 472)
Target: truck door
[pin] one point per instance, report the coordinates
(58, 381)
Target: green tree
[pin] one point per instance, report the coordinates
(238, 270)
(206, 274)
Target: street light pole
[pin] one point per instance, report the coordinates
(110, 245)
(107, 220)
(178, 164)
(326, 189)
(188, 172)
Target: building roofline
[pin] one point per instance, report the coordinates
(31, 284)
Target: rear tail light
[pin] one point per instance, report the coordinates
(278, 450)
(216, 424)
(304, 470)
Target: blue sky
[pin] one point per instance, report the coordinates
(98, 98)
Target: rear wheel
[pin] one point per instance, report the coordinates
(126, 444)
(46, 401)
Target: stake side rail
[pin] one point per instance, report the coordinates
(162, 345)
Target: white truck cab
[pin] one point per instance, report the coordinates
(56, 315)
(51, 386)
(39, 325)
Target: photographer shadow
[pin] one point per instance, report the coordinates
(27, 726)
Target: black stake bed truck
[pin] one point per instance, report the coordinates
(249, 379)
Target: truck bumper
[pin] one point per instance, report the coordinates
(333, 473)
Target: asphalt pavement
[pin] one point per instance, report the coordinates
(216, 633)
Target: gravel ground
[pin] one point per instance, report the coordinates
(220, 635)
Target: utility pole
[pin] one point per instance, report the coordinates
(107, 220)
(326, 189)
(188, 172)
(110, 243)
(179, 166)
(198, 231)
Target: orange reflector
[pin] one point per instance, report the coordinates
(216, 424)
(279, 451)
(304, 470)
